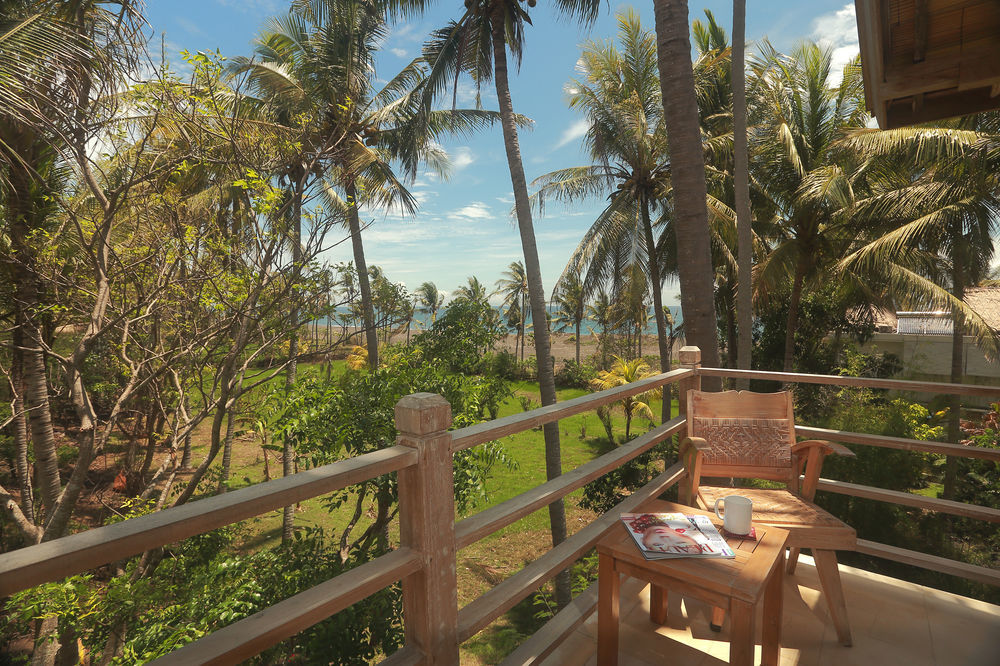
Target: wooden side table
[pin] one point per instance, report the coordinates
(739, 584)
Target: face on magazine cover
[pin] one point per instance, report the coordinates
(662, 538)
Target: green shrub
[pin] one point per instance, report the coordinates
(575, 375)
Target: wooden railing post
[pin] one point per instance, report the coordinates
(690, 358)
(427, 525)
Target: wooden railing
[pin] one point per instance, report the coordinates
(425, 561)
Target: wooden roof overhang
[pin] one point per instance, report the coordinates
(925, 60)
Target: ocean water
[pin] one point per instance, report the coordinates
(422, 320)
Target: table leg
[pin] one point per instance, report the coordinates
(718, 617)
(607, 611)
(741, 628)
(771, 631)
(657, 604)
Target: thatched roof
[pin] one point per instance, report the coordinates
(924, 60)
(985, 301)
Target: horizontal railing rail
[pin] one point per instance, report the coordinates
(487, 522)
(487, 431)
(251, 636)
(54, 560)
(943, 448)
(862, 382)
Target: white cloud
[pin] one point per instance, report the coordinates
(507, 199)
(399, 234)
(399, 52)
(461, 157)
(838, 31)
(477, 210)
(572, 133)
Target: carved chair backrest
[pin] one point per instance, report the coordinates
(749, 434)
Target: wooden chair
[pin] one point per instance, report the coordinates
(742, 434)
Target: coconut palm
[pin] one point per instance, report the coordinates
(430, 299)
(687, 174)
(625, 372)
(798, 115)
(477, 43)
(316, 66)
(472, 291)
(600, 310)
(514, 289)
(934, 202)
(619, 94)
(572, 302)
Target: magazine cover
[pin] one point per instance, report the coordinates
(669, 535)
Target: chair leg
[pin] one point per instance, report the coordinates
(718, 617)
(793, 558)
(829, 580)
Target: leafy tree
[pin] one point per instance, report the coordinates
(463, 336)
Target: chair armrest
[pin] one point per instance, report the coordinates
(801, 448)
(696, 443)
(691, 453)
(811, 452)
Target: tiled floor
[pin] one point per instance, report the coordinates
(893, 622)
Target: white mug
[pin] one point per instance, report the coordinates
(736, 519)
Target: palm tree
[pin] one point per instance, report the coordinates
(514, 289)
(798, 117)
(687, 172)
(600, 310)
(472, 291)
(620, 97)
(934, 201)
(624, 372)
(477, 43)
(572, 303)
(318, 63)
(430, 299)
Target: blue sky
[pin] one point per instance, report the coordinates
(464, 226)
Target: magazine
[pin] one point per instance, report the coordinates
(663, 536)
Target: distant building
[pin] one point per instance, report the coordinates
(922, 341)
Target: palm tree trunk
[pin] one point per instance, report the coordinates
(578, 322)
(792, 322)
(680, 107)
(367, 308)
(288, 514)
(657, 287)
(536, 292)
(20, 426)
(741, 176)
(957, 371)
